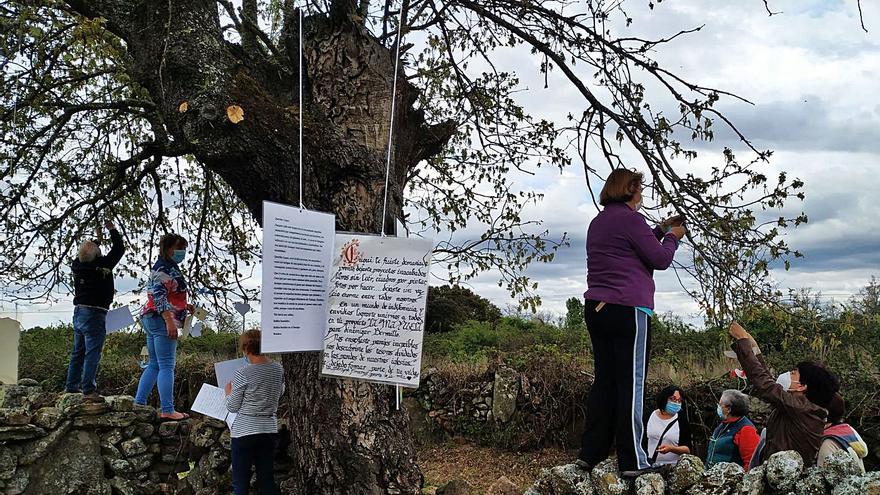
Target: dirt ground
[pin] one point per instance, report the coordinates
(482, 466)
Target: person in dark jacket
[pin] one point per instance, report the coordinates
(93, 293)
(799, 399)
(622, 254)
(735, 438)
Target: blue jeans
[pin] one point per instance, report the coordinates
(163, 354)
(254, 450)
(89, 333)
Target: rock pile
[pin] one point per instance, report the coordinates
(782, 474)
(51, 444)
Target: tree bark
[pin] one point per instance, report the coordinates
(347, 437)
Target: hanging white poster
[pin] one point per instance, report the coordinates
(376, 318)
(297, 247)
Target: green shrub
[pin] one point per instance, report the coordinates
(510, 336)
(45, 354)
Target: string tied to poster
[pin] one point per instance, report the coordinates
(301, 205)
(391, 123)
(397, 389)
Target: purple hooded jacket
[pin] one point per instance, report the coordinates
(622, 254)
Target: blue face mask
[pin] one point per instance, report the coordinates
(673, 407)
(720, 412)
(179, 255)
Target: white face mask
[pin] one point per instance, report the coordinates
(785, 380)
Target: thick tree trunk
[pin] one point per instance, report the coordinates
(347, 437)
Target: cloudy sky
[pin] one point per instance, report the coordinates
(812, 74)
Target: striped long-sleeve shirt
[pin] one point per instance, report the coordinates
(256, 389)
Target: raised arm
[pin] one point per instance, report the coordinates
(117, 249)
(764, 386)
(657, 255)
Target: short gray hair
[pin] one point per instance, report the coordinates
(737, 401)
(88, 251)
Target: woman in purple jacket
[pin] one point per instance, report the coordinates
(622, 254)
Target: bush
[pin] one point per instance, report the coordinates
(44, 354)
(448, 306)
(507, 339)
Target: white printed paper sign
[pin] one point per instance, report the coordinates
(211, 401)
(376, 318)
(297, 247)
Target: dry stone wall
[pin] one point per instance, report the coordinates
(782, 474)
(493, 398)
(58, 444)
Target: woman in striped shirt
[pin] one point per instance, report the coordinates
(253, 394)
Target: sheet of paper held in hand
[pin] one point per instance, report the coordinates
(211, 401)
(225, 370)
(378, 290)
(297, 247)
(118, 318)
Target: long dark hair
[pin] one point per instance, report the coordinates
(821, 383)
(684, 421)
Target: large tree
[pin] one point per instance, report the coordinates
(184, 115)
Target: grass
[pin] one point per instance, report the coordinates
(483, 466)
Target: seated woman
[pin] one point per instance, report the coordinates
(841, 436)
(735, 438)
(799, 399)
(669, 428)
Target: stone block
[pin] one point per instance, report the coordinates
(168, 428)
(17, 433)
(144, 430)
(504, 394)
(120, 403)
(145, 414)
(108, 420)
(650, 484)
(783, 470)
(8, 463)
(14, 416)
(607, 480)
(203, 435)
(73, 465)
(34, 450)
(48, 417)
(685, 474)
(133, 447)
